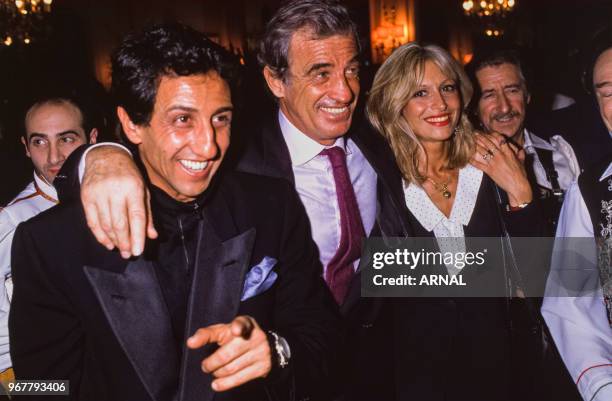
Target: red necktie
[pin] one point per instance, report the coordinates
(340, 268)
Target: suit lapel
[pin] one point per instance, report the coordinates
(391, 202)
(267, 152)
(276, 152)
(135, 309)
(218, 279)
(367, 309)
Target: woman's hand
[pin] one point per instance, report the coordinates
(503, 162)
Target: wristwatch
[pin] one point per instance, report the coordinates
(281, 349)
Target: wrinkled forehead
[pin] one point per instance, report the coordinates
(310, 33)
(308, 46)
(505, 73)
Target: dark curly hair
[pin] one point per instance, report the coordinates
(163, 50)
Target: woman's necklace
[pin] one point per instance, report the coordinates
(442, 188)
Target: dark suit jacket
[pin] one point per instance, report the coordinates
(368, 351)
(81, 312)
(458, 349)
(266, 153)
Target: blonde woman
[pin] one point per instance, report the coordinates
(455, 349)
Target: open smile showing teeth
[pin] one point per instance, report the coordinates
(439, 119)
(335, 110)
(193, 165)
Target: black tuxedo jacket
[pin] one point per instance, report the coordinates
(82, 313)
(368, 351)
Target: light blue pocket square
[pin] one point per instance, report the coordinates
(259, 278)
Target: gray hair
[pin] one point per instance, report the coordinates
(323, 18)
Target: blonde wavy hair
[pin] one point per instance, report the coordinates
(395, 83)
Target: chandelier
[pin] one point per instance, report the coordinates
(490, 12)
(388, 36)
(21, 20)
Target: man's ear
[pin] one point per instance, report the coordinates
(528, 97)
(275, 83)
(132, 131)
(93, 136)
(25, 145)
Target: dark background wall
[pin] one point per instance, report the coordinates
(82, 33)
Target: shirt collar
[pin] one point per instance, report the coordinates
(430, 216)
(467, 193)
(302, 148)
(535, 141)
(607, 173)
(45, 187)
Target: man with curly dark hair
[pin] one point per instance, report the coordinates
(226, 303)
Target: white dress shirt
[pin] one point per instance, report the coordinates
(448, 230)
(579, 325)
(314, 182)
(35, 198)
(564, 159)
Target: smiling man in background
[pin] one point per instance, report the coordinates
(500, 105)
(54, 127)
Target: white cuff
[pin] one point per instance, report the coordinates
(84, 156)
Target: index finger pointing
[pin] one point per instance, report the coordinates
(206, 335)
